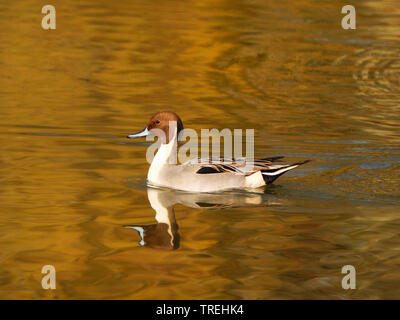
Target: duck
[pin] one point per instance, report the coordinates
(209, 174)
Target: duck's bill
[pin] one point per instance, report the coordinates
(142, 133)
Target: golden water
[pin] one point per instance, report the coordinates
(70, 181)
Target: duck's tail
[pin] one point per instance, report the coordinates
(270, 175)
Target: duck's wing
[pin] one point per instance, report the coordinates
(242, 166)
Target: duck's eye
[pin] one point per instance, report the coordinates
(157, 121)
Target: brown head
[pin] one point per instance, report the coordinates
(165, 123)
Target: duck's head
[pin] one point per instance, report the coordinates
(165, 124)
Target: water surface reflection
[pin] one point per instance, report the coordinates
(285, 68)
(164, 234)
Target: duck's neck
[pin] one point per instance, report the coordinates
(166, 155)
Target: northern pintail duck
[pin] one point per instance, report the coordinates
(204, 175)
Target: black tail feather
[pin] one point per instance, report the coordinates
(271, 178)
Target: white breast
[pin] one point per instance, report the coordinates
(166, 154)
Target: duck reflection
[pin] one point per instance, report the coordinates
(164, 234)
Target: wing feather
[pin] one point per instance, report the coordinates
(242, 166)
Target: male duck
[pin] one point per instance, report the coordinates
(204, 175)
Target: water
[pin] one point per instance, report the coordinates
(70, 183)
